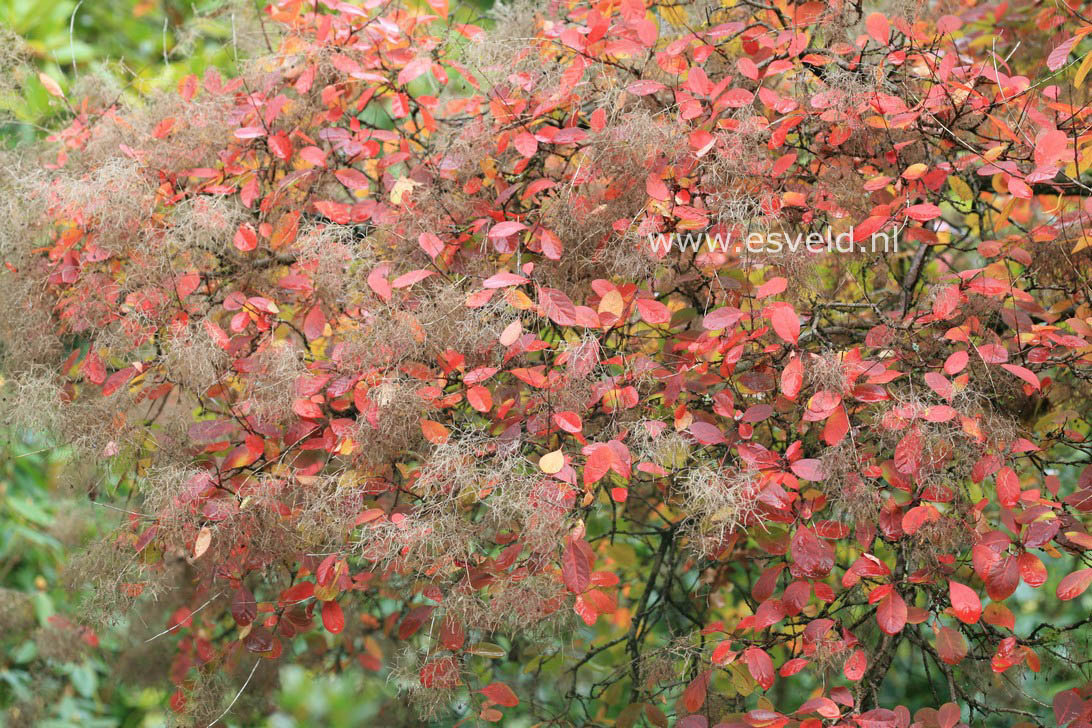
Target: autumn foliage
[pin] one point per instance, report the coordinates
(379, 366)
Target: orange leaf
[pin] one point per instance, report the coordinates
(51, 86)
(434, 432)
(500, 694)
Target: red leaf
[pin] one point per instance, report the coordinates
(441, 674)
(657, 188)
(993, 353)
(965, 602)
(784, 320)
(300, 592)
(280, 145)
(575, 570)
(351, 178)
(764, 586)
(812, 556)
(551, 244)
(569, 421)
(878, 28)
(557, 306)
(772, 287)
(598, 463)
(1073, 585)
(94, 370)
(585, 610)
(243, 607)
(706, 433)
(1067, 705)
(792, 667)
(414, 620)
(1032, 569)
(525, 144)
(240, 457)
(923, 212)
(500, 694)
(259, 639)
(760, 666)
(414, 69)
(809, 469)
(377, 281)
(955, 363)
(722, 318)
(1002, 578)
(314, 324)
(452, 634)
(908, 453)
(946, 302)
(1058, 56)
(307, 409)
(645, 87)
(1008, 487)
(503, 280)
(652, 311)
(118, 379)
(506, 228)
(1026, 374)
(792, 378)
(723, 654)
(333, 619)
(951, 646)
(284, 232)
(250, 132)
(479, 398)
(694, 695)
(939, 384)
(891, 613)
(408, 279)
(1050, 146)
(399, 106)
(855, 665)
(999, 616)
(314, 155)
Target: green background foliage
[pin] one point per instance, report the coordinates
(138, 45)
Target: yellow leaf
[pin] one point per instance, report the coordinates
(1074, 169)
(915, 171)
(201, 544)
(518, 299)
(962, 192)
(1086, 65)
(1005, 212)
(401, 187)
(612, 303)
(674, 14)
(552, 462)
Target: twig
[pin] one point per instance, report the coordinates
(237, 695)
(71, 42)
(171, 629)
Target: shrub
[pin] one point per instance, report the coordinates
(380, 334)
